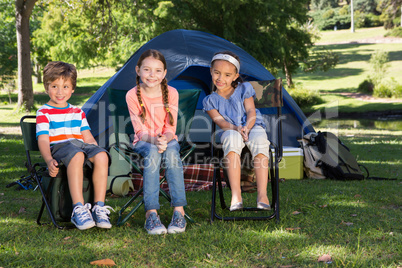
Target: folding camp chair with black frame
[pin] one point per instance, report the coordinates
(38, 171)
(122, 125)
(268, 94)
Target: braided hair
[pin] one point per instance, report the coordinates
(239, 79)
(164, 85)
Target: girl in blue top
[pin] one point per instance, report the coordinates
(231, 107)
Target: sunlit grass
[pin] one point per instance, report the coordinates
(346, 34)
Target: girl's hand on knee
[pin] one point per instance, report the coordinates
(244, 132)
(161, 143)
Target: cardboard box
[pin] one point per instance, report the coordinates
(291, 166)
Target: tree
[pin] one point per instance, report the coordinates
(8, 44)
(271, 31)
(390, 10)
(86, 33)
(323, 4)
(366, 6)
(89, 33)
(23, 10)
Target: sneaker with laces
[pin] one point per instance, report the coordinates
(153, 225)
(178, 223)
(81, 216)
(100, 214)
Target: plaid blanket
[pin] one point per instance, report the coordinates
(197, 177)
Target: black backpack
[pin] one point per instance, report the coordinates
(59, 195)
(337, 162)
(334, 158)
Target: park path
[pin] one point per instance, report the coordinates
(369, 98)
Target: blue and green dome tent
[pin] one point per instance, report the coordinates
(188, 54)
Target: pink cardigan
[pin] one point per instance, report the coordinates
(157, 119)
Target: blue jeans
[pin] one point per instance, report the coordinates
(174, 173)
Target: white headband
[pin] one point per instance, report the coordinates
(228, 58)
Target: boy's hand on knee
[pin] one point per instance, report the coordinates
(53, 168)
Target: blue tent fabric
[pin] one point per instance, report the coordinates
(188, 54)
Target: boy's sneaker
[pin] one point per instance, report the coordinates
(100, 214)
(82, 217)
(178, 223)
(153, 225)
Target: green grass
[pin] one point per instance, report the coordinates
(348, 36)
(352, 69)
(323, 227)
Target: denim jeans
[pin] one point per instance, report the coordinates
(170, 160)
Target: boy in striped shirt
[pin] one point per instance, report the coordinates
(64, 136)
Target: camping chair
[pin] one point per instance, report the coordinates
(54, 189)
(123, 130)
(268, 94)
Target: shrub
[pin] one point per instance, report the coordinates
(344, 10)
(330, 13)
(360, 19)
(379, 62)
(373, 20)
(366, 87)
(397, 21)
(395, 32)
(388, 88)
(367, 20)
(304, 97)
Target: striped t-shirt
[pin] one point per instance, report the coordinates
(61, 124)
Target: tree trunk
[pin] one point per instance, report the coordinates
(23, 10)
(38, 73)
(352, 20)
(289, 80)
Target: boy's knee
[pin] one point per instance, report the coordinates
(79, 157)
(101, 159)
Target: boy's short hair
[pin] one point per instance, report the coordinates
(58, 69)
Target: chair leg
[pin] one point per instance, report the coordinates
(45, 202)
(213, 203)
(121, 221)
(275, 196)
(276, 191)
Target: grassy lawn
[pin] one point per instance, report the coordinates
(353, 67)
(348, 36)
(357, 223)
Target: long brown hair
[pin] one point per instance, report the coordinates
(239, 79)
(165, 91)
